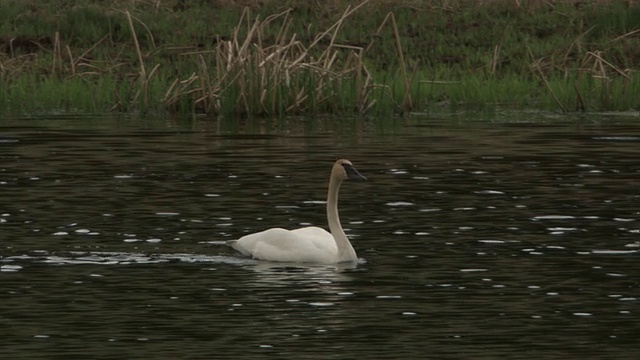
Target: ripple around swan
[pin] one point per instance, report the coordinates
(116, 258)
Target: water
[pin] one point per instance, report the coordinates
(514, 238)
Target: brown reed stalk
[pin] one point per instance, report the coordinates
(360, 93)
(579, 102)
(206, 85)
(575, 42)
(630, 33)
(546, 83)
(601, 62)
(57, 54)
(179, 89)
(144, 76)
(355, 65)
(71, 60)
(406, 102)
(495, 59)
(390, 18)
(136, 44)
(320, 36)
(84, 54)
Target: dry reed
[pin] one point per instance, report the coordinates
(245, 75)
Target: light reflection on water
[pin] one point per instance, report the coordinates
(476, 240)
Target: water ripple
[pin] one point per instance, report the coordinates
(120, 258)
(537, 236)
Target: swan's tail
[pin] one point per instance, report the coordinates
(234, 244)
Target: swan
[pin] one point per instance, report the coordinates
(309, 244)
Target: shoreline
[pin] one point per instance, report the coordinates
(371, 58)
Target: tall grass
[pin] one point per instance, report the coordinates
(373, 58)
(248, 75)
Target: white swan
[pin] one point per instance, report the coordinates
(310, 244)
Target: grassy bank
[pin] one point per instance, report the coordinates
(274, 58)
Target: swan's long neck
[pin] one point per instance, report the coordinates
(345, 250)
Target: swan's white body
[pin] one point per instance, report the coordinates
(310, 244)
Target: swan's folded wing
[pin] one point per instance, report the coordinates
(309, 244)
(317, 237)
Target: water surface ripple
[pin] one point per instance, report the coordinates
(510, 239)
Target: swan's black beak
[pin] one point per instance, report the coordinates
(352, 173)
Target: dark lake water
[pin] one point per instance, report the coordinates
(512, 237)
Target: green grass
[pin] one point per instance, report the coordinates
(82, 56)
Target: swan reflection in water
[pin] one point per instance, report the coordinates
(302, 293)
(309, 244)
(285, 274)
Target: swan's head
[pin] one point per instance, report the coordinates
(344, 170)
